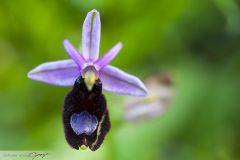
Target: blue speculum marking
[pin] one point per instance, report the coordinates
(83, 122)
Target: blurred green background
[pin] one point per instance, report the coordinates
(197, 40)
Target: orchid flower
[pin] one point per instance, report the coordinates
(156, 103)
(88, 74)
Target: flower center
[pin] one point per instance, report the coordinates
(90, 75)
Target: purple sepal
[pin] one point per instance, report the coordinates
(91, 36)
(61, 73)
(117, 81)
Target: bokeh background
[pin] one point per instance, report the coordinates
(196, 42)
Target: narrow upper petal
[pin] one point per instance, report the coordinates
(61, 73)
(117, 81)
(91, 36)
(109, 56)
(73, 53)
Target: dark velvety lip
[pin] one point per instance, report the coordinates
(85, 105)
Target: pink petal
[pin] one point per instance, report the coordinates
(109, 56)
(61, 73)
(117, 81)
(91, 36)
(73, 53)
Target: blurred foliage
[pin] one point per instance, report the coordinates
(197, 40)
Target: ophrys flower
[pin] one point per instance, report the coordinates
(88, 74)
